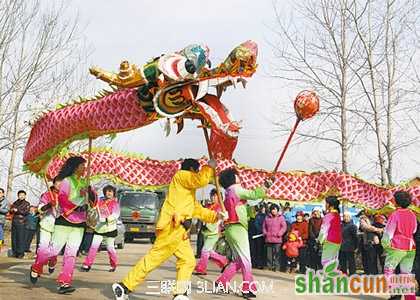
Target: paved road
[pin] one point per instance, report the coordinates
(14, 283)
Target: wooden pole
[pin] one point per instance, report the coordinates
(89, 161)
(287, 145)
(219, 195)
(46, 182)
(344, 207)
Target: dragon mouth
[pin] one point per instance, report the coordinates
(219, 121)
(213, 109)
(220, 84)
(240, 63)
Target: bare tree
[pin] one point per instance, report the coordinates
(386, 35)
(41, 52)
(359, 56)
(400, 50)
(369, 38)
(318, 57)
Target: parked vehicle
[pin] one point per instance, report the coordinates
(139, 213)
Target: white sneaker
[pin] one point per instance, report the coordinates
(119, 292)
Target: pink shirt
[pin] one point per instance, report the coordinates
(108, 208)
(274, 227)
(236, 197)
(70, 197)
(401, 226)
(331, 228)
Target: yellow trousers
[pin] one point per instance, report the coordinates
(169, 242)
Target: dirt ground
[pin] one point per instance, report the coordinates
(14, 280)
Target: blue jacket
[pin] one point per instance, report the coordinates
(288, 216)
(31, 221)
(4, 208)
(259, 220)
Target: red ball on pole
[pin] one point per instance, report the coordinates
(306, 105)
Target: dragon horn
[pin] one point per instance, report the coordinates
(167, 127)
(180, 124)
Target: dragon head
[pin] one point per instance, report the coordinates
(179, 85)
(192, 97)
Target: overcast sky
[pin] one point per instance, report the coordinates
(140, 30)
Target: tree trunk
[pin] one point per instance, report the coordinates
(389, 154)
(343, 117)
(11, 170)
(375, 101)
(378, 130)
(390, 90)
(344, 141)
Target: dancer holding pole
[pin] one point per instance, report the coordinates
(74, 193)
(172, 230)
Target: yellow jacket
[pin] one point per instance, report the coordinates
(180, 203)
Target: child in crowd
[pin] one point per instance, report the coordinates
(291, 247)
(302, 227)
(31, 226)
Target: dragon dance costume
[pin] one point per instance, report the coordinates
(179, 208)
(69, 227)
(236, 234)
(330, 237)
(49, 206)
(106, 229)
(398, 242)
(211, 235)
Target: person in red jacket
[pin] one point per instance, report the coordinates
(291, 246)
(302, 227)
(314, 248)
(274, 227)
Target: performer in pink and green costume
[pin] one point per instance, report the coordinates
(211, 235)
(71, 223)
(330, 233)
(48, 206)
(106, 229)
(398, 239)
(236, 232)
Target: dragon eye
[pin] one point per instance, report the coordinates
(190, 67)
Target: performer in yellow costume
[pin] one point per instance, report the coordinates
(172, 228)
